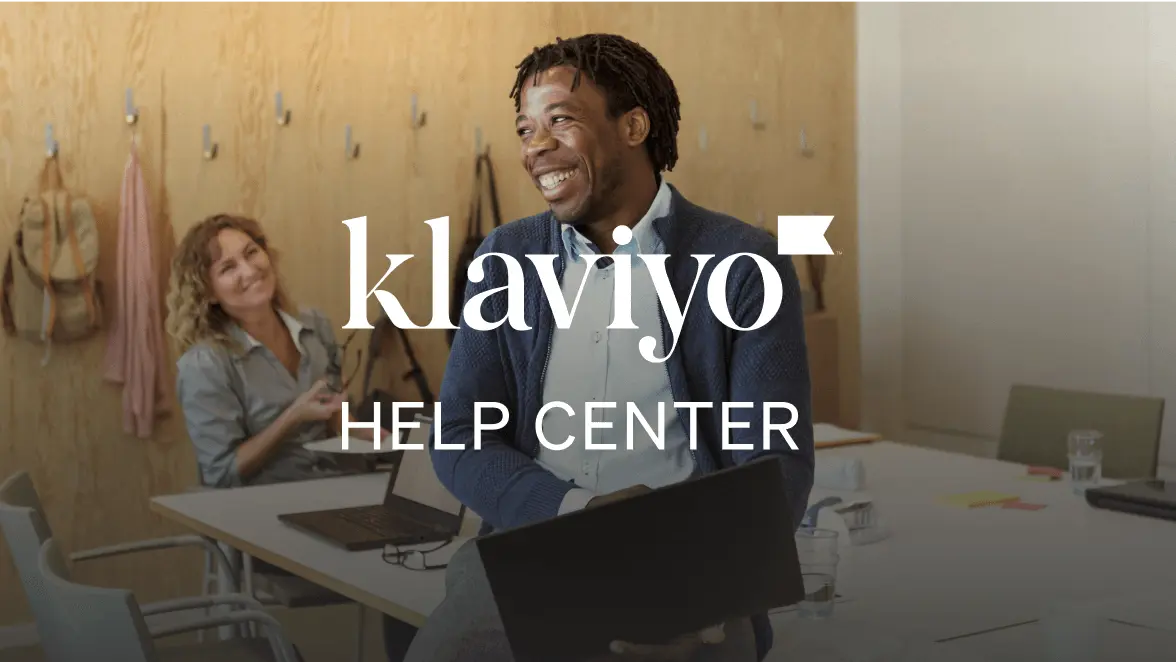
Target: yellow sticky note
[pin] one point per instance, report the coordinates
(978, 499)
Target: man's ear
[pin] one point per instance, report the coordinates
(635, 127)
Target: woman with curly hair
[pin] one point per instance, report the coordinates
(257, 377)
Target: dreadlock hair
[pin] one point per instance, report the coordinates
(629, 75)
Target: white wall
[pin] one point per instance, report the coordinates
(1017, 192)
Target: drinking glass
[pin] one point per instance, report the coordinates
(1084, 448)
(817, 552)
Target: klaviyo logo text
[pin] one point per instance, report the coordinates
(796, 235)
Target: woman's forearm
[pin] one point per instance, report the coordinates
(253, 454)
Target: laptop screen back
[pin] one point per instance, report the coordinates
(416, 480)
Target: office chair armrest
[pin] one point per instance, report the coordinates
(283, 649)
(200, 602)
(162, 543)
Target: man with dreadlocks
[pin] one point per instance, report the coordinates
(597, 118)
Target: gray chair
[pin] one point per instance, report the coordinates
(95, 623)
(272, 587)
(26, 529)
(1038, 421)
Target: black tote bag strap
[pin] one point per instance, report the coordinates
(474, 225)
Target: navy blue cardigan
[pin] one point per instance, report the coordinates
(711, 363)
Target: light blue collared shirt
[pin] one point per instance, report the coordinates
(591, 363)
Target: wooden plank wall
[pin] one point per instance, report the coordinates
(337, 64)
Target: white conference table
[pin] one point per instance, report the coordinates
(944, 572)
(947, 572)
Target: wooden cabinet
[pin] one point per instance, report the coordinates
(824, 368)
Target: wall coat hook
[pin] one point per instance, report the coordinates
(350, 149)
(209, 146)
(50, 142)
(130, 112)
(280, 113)
(702, 139)
(756, 122)
(418, 117)
(805, 148)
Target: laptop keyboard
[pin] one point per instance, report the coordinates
(381, 519)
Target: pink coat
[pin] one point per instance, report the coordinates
(135, 352)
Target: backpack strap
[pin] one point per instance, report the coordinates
(79, 263)
(49, 313)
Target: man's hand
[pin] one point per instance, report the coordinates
(681, 649)
(618, 495)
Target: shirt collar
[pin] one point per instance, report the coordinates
(293, 324)
(645, 238)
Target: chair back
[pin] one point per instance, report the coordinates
(25, 529)
(1038, 421)
(95, 623)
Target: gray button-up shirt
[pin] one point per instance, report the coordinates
(229, 396)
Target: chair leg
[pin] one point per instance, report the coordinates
(248, 629)
(359, 632)
(225, 585)
(207, 580)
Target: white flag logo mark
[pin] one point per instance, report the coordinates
(802, 235)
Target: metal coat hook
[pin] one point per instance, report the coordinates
(805, 149)
(282, 115)
(130, 113)
(418, 118)
(702, 139)
(351, 150)
(755, 120)
(50, 142)
(209, 146)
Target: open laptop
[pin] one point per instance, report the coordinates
(417, 508)
(1149, 497)
(646, 569)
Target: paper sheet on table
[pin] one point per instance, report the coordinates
(827, 435)
(1151, 610)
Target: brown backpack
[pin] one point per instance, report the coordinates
(50, 291)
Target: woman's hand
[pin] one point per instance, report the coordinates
(365, 432)
(319, 403)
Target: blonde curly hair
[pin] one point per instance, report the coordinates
(192, 316)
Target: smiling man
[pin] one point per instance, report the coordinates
(597, 120)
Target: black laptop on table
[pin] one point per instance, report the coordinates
(1148, 497)
(646, 569)
(417, 508)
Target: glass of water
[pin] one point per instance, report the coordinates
(1085, 450)
(817, 551)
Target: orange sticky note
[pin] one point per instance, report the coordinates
(978, 499)
(1021, 505)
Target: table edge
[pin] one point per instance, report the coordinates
(382, 605)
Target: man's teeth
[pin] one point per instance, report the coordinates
(553, 179)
